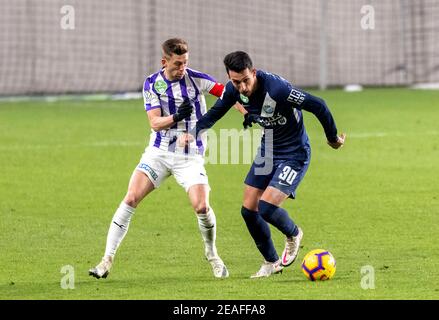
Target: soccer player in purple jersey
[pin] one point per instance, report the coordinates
(174, 101)
(282, 161)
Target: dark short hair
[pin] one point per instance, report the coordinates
(174, 46)
(237, 61)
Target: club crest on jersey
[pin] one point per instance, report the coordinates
(160, 86)
(243, 98)
(268, 106)
(268, 109)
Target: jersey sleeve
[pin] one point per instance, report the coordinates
(293, 97)
(227, 99)
(319, 108)
(206, 83)
(150, 98)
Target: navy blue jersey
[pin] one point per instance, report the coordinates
(280, 105)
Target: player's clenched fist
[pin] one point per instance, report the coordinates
(183, 111)
(339, 143)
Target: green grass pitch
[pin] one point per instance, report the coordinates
(64, 168)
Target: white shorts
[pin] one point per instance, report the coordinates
(158, 164)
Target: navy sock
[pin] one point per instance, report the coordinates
(278, 217)
(260, 232)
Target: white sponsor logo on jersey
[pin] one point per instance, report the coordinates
(296, 96)
(148, 97)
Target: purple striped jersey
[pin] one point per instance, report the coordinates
(159, 92)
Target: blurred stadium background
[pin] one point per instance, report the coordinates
(313, 43)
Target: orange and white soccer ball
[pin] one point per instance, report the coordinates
(318, 264)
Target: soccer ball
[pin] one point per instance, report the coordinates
(318, 264)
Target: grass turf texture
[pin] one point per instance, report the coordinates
(64, 168)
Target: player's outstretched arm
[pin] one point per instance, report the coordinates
(215, 113)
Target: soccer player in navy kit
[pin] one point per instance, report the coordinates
(284, 155)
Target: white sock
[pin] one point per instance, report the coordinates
(118, 228)
(207, 226)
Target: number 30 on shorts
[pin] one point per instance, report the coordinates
(288, 175)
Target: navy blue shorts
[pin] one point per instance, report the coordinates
(284, 175)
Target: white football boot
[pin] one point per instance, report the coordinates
(102, 269)
(291, 250)
(268, 268)
(218, 267)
